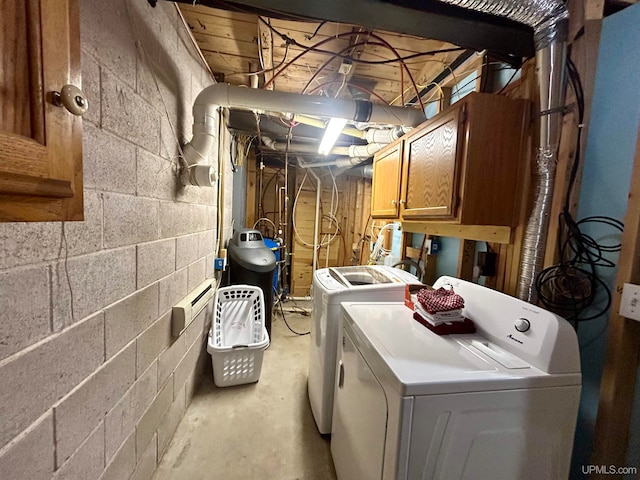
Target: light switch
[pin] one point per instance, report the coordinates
(630, 302)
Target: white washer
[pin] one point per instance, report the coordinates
(500, 403)
(373, 283)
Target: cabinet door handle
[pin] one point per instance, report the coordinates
(340, 374)
(393, 202)
(71, 98)
(401, 202)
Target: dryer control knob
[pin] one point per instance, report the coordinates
(522, 325)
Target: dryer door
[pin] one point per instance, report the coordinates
(359, 417)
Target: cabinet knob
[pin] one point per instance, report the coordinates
(393, 202)
(401, 202)
(71, 98)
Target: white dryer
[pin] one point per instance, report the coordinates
(500, 403)
(372, 283)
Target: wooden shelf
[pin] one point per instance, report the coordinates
(486, 233)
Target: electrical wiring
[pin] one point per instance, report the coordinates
(293, 219)
(314, 48)
(570, 287)
(264, 70)
(333, 211)
(335, 191)
(333, 57)
(315, 32)
(436, 85)
(356, 60)
(354, 85)
(279, 301)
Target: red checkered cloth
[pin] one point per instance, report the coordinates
(441, 300)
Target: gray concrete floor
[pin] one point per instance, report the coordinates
(261, 431)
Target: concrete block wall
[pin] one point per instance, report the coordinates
(92, 384)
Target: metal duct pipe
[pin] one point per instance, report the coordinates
(365, 171)
(225, 95)
(549, 19)
(550, 76)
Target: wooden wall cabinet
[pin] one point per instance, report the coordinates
(40, 143)
(459, 167)
(385, 189)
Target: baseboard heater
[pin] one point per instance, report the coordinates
(190, 306)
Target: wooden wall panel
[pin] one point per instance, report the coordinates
(346, 247)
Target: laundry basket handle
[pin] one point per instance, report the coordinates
(240, 346)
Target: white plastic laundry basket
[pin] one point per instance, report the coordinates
(238, 337)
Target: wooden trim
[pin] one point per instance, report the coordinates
(487, 233)
(40, 187)
(36, 82)
(410, 252)
(617, 388)
(466, 258)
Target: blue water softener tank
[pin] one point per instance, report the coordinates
(274, 246)
(251, 262)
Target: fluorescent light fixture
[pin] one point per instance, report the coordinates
(331, 134)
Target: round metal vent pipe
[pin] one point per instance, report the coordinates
(549, 19)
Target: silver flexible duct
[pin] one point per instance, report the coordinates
(549, 19)
(550, 74)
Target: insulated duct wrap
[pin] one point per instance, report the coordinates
(535, 235)
(547, 17)
(549, 20)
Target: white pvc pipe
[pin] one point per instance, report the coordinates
(317, 220)
(385, 135)
(358, 151)
(338, 162)
(224, 95)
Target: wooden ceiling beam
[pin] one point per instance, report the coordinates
(265, 51)
(443, 22)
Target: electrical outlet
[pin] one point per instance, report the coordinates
(630, 302)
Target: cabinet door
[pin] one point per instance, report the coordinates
(387, 166)
(430, 169)
(40, 143)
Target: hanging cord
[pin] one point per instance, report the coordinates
(66, 270)
(279, 301)
(571, 287)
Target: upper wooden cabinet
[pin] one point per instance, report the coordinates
(40, 143)
(385, 190)
(459, 167)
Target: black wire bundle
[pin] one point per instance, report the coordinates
(572, 286)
